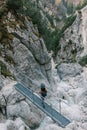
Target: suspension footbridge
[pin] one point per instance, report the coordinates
(48, 109)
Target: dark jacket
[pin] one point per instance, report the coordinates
(43, 92)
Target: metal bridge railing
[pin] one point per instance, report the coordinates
(48, 109)
(59, 100)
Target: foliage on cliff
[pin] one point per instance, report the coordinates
(50, 33)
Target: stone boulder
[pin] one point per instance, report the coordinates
(3, 126)
(18, 124)
(69, 70)
(22, 110)
(12, 96)
(18, 110)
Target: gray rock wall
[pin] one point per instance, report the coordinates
(69, 70)
(73, 43)
(32, 61)
(14, 105)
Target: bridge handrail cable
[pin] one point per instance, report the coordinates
(58, 99)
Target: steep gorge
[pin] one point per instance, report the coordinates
(20, 41)
(73, 43)
(24, 58)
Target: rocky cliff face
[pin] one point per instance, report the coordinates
(18, 113)
(22, 51)
(57, 7)
(15, 110)
(75, 2)
(73, 43)
(24, 58)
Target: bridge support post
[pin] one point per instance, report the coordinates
(60, 105)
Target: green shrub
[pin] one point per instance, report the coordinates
(14, 4)
(10, 36)
(70, 9)
(68, 22)
(9, 59)
(0, 35)
(3, 33)
(4, 70)
(4, 41)
(74, 51)
(80, 6)
(3, 10)
(70, 42)
(83, 61)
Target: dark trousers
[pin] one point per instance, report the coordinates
(42, 101)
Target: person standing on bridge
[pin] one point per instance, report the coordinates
(43, 93)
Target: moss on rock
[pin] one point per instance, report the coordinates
(4, 70)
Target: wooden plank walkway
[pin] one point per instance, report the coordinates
(51, 112)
